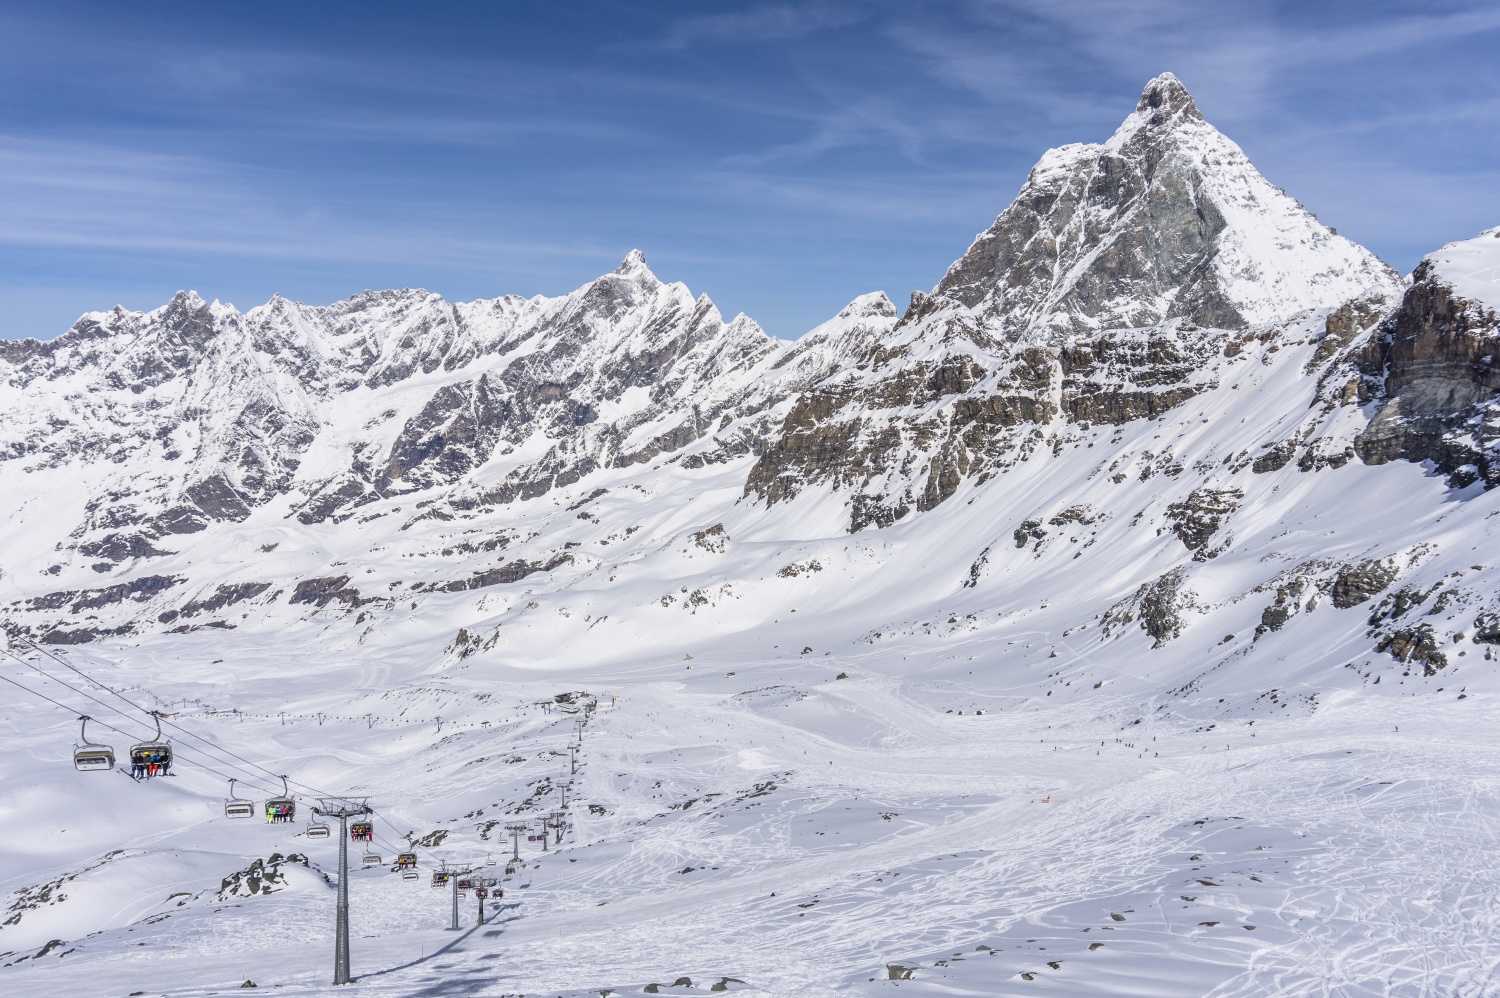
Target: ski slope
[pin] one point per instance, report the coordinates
(1336, 799)
(1052, 639)
(802, 834)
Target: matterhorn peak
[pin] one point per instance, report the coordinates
(1164, 99)
(1166, 220)
(634, 265)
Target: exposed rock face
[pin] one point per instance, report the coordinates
(1100, 295)
(1158, 607)
(1415, 644)
(1356, 584)
(513, 571)
(1153, 225)
(1197, 518)
(1275, 616)
(321, 592)
(1434, 371)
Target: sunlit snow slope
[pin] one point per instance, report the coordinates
(1118, 619)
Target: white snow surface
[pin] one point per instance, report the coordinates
(1471, 267)
(1263, 817)
(1026, 741)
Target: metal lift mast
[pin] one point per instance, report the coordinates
(342, 809)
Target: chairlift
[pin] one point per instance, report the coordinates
(409, 875)
(462, 895)
(238, 807)
(439, 878)
(510, 871)
(280, 810)
(362, 831)
(89, 757)
(465, 884)
(152, 758)
(406, 860)
(371, 859)
(318, 830)
(481, 893)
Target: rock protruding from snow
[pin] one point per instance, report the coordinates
(1166, 220)
(1434, 367)
(634, 265)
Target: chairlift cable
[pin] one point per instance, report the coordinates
(83, 693)
(254, 779)
(313, 791)
(56, 703)
(68, 665)
(102, 724)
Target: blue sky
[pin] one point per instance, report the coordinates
(781, 157)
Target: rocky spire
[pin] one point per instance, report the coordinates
(634, 264)
(1164, 99)
(1166, 220)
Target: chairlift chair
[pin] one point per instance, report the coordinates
(462, 895)
(89, 757)
(371, 859)
(362, 831)
(281, 809)
(439, 879)
(409, 875)
(151, 758)
(318, 830)
(481, 893)
(238, 807)
(406, 860)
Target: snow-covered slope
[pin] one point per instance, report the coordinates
(1073, 632)
(1471, 267)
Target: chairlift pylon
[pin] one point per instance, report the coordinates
(151, 758)
(87, 756)
(238, 807)
(280, 810)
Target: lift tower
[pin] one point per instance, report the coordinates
(342, 809)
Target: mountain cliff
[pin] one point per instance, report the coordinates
(1088, 360)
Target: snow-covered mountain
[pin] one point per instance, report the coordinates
(1160, 456)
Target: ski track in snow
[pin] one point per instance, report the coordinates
(1370, 847)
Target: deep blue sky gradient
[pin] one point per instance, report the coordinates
(782, 157)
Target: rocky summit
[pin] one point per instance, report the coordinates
(1125, 541)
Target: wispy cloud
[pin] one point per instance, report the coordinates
(69, 194)
(769, 22)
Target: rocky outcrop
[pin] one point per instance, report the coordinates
(225, 595)
(1158, 607)
(321, 592)
(1415, 644)
(1356, 584)
(513, 571)
(1434, 371)
(1197, 518)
